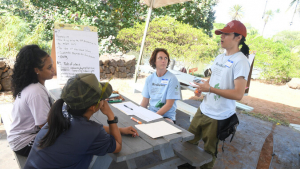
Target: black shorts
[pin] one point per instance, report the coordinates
(26, 150)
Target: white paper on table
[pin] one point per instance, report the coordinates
(138, 111)
(126, 110)
(146, 114)
(157, 129)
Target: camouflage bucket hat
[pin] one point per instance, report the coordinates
(83, 90)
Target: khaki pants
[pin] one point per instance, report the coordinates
(205, 128)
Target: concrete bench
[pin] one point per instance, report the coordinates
(192, 154)
(6, 118)
(186, 108)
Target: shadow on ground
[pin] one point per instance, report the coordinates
(272, 111)
(244, 150)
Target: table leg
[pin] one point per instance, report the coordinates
(102, 162)
(131, 164)
(181, 93)
(166, 152)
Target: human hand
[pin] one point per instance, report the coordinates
(105, 109)
(129, 130)
(197, 93)
(204, 86)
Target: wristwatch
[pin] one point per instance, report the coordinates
(115, 120)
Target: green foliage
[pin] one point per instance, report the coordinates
(274, 58)
(292, 40)
(251, 30)
(198, 13)
(217, 38)
(289, 38)
(109, 16)
(182, 41)
(15, 33)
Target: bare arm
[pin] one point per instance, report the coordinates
(145, 102)
(113, 128)
(41, 125)
(124, 130)
(235, 94)
(166, 107)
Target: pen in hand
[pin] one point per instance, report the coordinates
(128, 107)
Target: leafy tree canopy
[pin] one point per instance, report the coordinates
(274, 58)
(109, 16)
(182, 41)
(15, 33)
(289, 38)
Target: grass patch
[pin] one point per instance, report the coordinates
(277, 119)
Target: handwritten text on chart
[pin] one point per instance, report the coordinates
(76, 52)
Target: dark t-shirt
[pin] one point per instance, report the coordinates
(74, 148)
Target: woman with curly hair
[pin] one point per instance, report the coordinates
(32, 103)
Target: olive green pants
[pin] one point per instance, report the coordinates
(205, 128)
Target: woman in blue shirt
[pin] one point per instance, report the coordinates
(161, 88)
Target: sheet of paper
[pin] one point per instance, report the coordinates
(76, 52)
(157, 129)
(127, 110)
(130, 108)
(146, 114)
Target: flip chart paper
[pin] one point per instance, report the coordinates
(157, 129)
(76, 52)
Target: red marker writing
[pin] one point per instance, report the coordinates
(134, 119)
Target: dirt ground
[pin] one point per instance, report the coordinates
(275, 103)
(278, 104)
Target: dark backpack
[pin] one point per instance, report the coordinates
(227, 127)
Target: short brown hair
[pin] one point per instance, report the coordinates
(153, 56)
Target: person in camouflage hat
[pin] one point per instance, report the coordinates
(84, 90)
(69, 139)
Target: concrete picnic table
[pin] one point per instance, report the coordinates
(133, 147)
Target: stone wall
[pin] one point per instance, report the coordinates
(6, 71)
(117, 65)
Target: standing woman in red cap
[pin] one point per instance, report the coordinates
(227, 84)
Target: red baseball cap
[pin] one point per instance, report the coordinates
(233, 27)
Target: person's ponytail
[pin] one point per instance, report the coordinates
(57, 124)
(245, 48)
